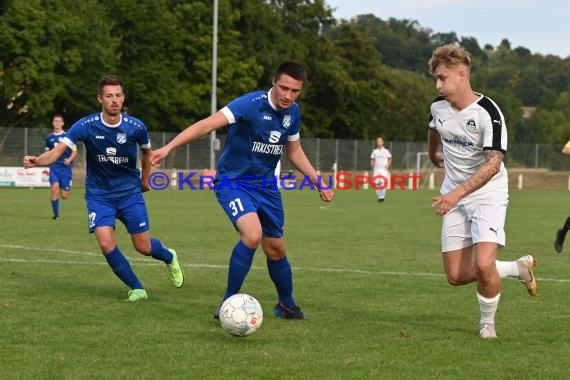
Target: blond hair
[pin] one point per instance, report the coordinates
(449, 56)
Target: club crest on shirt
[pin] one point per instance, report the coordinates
(286, 121)
(274, 137)
(121, 138)
(471, 127)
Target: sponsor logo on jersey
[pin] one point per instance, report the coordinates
(267, 117)
(286, 121)
(498, 122)
(260, 147)
(274, 137)
(471, 127)
(441, 122)
(461, 141)
(113, 159)
(100, 137)
(121, 138)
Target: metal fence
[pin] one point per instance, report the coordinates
(349, 155)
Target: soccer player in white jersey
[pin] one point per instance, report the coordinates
(60, 172)
(380, 161)
(261, 125)
(114, 185)
(474, 195)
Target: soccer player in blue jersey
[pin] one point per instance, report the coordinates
(114, 185)
(261, 125)
(59, 171)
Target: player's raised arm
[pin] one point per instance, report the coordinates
(45, 158)
(192, 133)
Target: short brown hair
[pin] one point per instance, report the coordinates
(448, 56)
(110, 80)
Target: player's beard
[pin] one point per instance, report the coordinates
(113, 110)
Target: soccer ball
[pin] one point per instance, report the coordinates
(241, 315)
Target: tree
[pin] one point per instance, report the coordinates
(47, 51)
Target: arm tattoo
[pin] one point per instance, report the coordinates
(491, 166)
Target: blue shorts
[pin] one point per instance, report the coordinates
(62, 176)
(266, 203)
(130, 210)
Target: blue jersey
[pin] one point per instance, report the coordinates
(111, 154)
(51, 142)
(257, 134)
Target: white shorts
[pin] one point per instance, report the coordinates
(474, 222)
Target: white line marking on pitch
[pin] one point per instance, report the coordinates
(145, 261)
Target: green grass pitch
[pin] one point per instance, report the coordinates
(369, 276)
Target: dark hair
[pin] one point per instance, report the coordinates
(110, 80)
(57, 115)
(294, 69)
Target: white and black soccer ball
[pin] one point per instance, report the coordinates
(241, 315)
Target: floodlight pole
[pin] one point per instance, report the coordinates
(214, 81)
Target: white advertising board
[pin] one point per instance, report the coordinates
(20, 177)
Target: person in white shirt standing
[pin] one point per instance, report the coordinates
(380, 161)
(474, 195)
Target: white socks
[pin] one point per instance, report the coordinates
(488, 308)
(512, 269)
(507, 268)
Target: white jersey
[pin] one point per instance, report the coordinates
(465, 135)
(381, 158)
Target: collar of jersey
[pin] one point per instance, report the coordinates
(109, 125)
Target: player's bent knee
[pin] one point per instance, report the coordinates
(252, 241)
(143, 250)
(142, 247)
(456, 280)
(275, 254)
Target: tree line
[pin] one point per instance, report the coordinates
(367, 76)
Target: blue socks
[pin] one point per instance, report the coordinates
(159, 251)
(55, 207)
(240, 263)
(279, 271)
(282, 277)
(121, 267)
